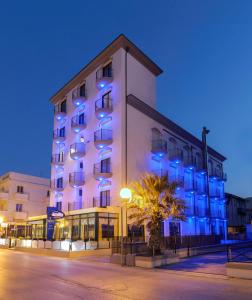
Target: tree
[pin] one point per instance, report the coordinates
(153, 201)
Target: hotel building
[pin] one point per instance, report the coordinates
(107, 132)
(21, 197)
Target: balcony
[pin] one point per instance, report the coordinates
(78, 123)
(79, 96)
(57, 159)
(159, 147)
(217, 174)
(178, 179)
(76, 179)
(104, 76)
(19, 215)
(102, 171)
(189, 162)
(103, 107)
(160, 172)
(75, 205)
(218, 214)
(77, 150)
(21, 196)
(102, 138)
(189, 211)
(176, 155)
(214, 193)
(201, 189)
(189, 186)
(59, 136)
(202, 212)
(101, 201)
(60, 111)
(57, 185)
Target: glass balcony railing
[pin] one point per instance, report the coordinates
(76, 179)
(159, 147)
(77, 150)
(103, 138)
(101, 201)
(79, 96)
(103, 107)
(58, 159)
(78, 123)
(102, 171)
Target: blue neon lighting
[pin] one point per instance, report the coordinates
(102, 85)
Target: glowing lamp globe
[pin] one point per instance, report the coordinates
(125, 193)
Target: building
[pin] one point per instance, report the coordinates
(107, 132)
(21, 196)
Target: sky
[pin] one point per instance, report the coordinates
(203, 46)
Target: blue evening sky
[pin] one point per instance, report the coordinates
(203, 46)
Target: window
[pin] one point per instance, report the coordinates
(48, 193)
(107, 70)
(81, 165)
(63, 106)
(107, 231)
(105, 198)
(82, 90)
(106, 165)
(80, 192)
(59, 182)
(62, 132)
(82, 119)
(106, 99)
(59, 206)
(19, 207)
(20, 189)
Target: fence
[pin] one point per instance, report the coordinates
(241, 252)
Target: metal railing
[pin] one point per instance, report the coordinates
(76, 178)
(75, 205)
(77, 120)
(241, 252)
(101, 201)
(58, 158)
(100, 168)
(79, 92)
(103, 103)
(159, 146)
(104, 72)
(160, 172)
(59, 108)
(175, 155)
(57, 133)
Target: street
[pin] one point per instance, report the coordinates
(27, 276)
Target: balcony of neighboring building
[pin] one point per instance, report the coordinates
(189, 162)
(101, 201)
(103, 106)
(58, 184)
(104, 76)
(77, 150)
(79, 95)
(102, 138)
(160, 172)
(78, 122)
(76, 179)
(60, 110)
(218, 213)
(217, 174)
(189, 211)
(58, 159)
(189, 186)
(159, 147)
(75, 205)
(179, 179)
(201, 211)
(102, 170)
(59, 135)
(201, 189)
(176, 155)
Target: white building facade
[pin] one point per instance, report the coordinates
(107, 133)
(21, 196)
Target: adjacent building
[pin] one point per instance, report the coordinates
(107, 132)
(21, 196)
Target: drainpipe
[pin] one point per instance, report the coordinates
(205, 131)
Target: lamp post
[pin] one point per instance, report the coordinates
(125, 194)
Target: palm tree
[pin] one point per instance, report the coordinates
(153, 201)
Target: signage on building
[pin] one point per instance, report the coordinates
(52, 214)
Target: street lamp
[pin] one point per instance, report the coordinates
(125, 194)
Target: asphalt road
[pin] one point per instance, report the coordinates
(28, 276)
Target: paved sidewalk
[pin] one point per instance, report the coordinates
(209, 264)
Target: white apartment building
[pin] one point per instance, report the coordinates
(107, 132)
(21, 196)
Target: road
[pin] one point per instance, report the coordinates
(31, 277)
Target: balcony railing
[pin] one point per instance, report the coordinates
(78, 123)
(76, 179)
(217, 174)
(159, 147)
(218, 214)
(104, 76)
(60, 111)
(79, 96)
(189, 162)
(202, 212)
(189, 211)
(160, 172)
(59, 135)
(77, 150)
(75, 205)
(58, 159)
(189, 186)
(201, 189)
(103, 107)
(102, 171)
(176, 155)
(103, 138)
(57, 185)
(101, 201)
